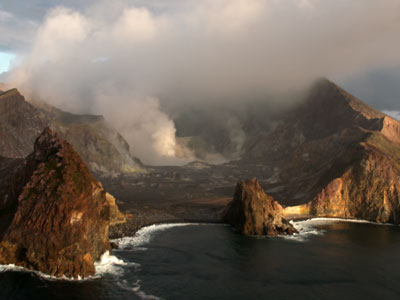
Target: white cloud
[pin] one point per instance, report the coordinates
(63, 32)
(203, 49)
(231, 17)
(137, 24)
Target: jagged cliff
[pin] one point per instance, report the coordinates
(61, 219)
(100, 146)
(20, 124)
(252, 212)
(333, 155)
(368, 188)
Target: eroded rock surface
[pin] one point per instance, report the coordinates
(20, 124)
(252, 212)
(333, 156)
(62, 218)
(368, 188)
(102, 148)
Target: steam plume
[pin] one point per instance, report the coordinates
(116, 60)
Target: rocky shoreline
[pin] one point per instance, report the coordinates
(142, 217)
(343, 164)
(158, 218)
(61, 219)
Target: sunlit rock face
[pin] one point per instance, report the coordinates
(252, 212)
(334, 156)
(369, 187)
(62, 218)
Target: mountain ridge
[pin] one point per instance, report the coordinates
(101, 146)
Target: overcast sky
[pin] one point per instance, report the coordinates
(98, 56)
(20, 20)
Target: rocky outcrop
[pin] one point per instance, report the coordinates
(252, 212)
(61, 223)
(102, 148)
(333, 156)
(369, 187)
(20, 124)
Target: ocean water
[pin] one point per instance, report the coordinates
(329, 259)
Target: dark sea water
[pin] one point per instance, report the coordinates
(328, 260)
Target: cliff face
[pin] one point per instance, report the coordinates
(369, 187)
(61, 222)
(333, 155)
(100, 146)
(19, 127)
(252, 212)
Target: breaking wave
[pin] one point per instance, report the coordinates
(145, 234)
(14, 268)
(309, 227)
(136, 289)
(110, 264)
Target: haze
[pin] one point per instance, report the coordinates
(128, 59)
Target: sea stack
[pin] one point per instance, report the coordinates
(252, 212)
(62, 215)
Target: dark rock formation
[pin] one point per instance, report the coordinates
(333, 156)
(252, 212)
(20, 124)
(62, 218)
(102, 148)
(12, 179)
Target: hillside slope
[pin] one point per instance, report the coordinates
(334, 156)
(101, 146)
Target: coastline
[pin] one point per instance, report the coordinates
(143, 217)
(134, 228)
(140, 217)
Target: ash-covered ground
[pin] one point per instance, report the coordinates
(197, 192)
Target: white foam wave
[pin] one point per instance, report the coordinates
(327, 221)
(305, 230)
(145, 234)
(11, 267)
(309, 227)
(136, 288)
(110, 264)
(14, 268)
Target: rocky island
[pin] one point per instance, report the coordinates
(252, 212)
(60, 214)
